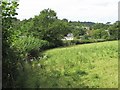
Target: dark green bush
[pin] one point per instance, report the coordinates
(67, 43)
(71, 42)
(55, 43)
(88, 41)
(78, 41)
(101, 40)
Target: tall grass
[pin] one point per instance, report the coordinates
(81, 66)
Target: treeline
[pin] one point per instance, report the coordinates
(25, 40)
(89, 32)
(46, 26)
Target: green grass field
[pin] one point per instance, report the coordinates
(82, 66)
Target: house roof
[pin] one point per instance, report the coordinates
(70, 35)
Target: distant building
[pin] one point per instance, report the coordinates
(68, 37)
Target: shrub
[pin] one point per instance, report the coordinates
(71, 42)
(55, 43)
(67, 43)
(88, 41)
(29, 45)
(77, 41)
(83, 41)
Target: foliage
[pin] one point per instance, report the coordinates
(24, 45)
(84, 41)
(76, 29)
(47, 27)
(8, 54)
(100, 34)
(78, 32)
(29, 38)
(113, 30)
(99, 26)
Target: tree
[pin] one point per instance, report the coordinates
(99, 26)
(76, 29)
(100, 34)
(8, 54)
(47, 27)
(64, 19)
(114, 30)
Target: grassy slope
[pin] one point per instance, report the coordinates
(91, 65)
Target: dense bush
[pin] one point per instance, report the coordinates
(68, 43)
(78, 41)
(29, 45)
(9, 55)
(88, 41)
(100, 34)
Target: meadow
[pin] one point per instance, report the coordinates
(81, 66)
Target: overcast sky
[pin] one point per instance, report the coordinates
(75, 10)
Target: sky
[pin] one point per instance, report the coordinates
(74, 10)
(119, 11)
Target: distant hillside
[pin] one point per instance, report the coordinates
(87, 23)
(82, 23)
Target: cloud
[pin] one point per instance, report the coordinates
(82, 10)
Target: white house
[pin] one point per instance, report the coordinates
(68, 37)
